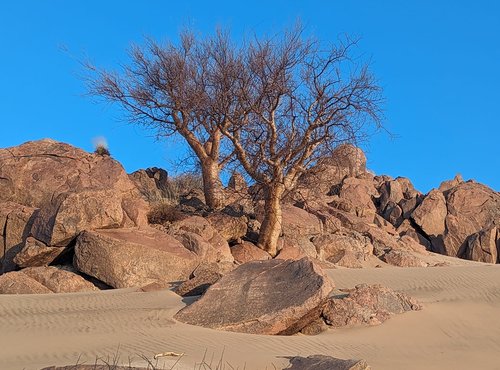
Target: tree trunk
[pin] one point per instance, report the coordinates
(212, 186)
(270, 230)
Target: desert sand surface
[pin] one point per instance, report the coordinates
(457, 329)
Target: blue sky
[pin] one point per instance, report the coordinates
(438, 62)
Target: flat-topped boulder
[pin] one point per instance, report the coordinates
(133, 257)
(262, 297)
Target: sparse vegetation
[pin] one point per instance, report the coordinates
(164, 213)
(102, 150)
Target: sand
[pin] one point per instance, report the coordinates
(457, 329)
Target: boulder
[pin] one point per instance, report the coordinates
(198, 284)
(209, 244)
(472, 207)
(132, 258)
(450, 184)
(402, 258)
(345, 161)
(390, 192)
(237, 183)
(246, 252)
(206, 251)
(297, 222)
(231, 228)
(41, 280)
(152, 183)
(73, 189)
(332, 247)
(322, 362)
(16, 221)
(366, 305)
(359, 193)
(430, 215)
(262, 297)
(484, 246)
(36, 253)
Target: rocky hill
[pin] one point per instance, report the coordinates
(72, 220)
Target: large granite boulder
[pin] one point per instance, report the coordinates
(367, 305)
(262, 297)
(73, 189)
(41, 280)
(430, 215)
(16, 221)
(125, 258)
(472, 207)
(230, 227)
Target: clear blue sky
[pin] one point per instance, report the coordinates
(438, 61)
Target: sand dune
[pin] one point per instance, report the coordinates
(458, 328)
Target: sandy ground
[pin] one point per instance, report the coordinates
(459, 327)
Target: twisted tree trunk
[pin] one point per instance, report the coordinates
(271, 228)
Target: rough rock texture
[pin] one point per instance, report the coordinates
(246, 252)
(237, 182)
(298, 222)
(36, 253)
(198, 235)
(40, 280)
(367, 305)
(472, 207)
(484, 246)
(74, 190)
(16, 221)
(430, 215)
(346, 161)
(199, 284)
(262, 297)
(231, 228)
(132, 258)
(331, 247)
(402, 258)
(321, 362)
(152, 183)
(359, 193)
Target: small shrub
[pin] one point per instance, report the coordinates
(102, 150)
(163, 213)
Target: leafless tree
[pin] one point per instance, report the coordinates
(174, 89)
(294, 103)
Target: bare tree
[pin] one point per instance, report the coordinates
(172, 89)
(295, 102)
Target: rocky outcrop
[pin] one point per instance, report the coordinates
(16, 221)
(430, 215)
(73, 189)
(199, 236)
(322, 362)
(41, 280)
(152, 183)
(484, 246)
(472, 207)
(262, 297)
(366, 305)
(132, 258)
(36, 253)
